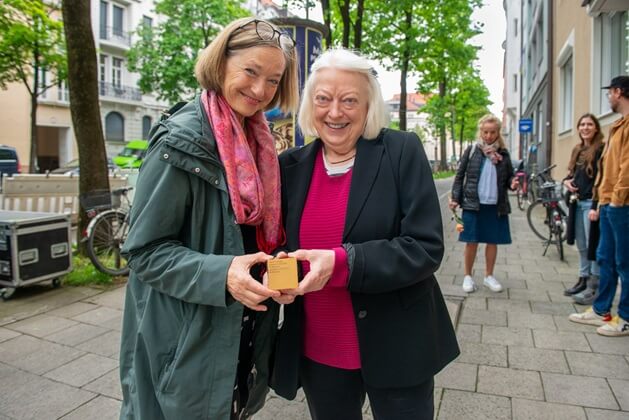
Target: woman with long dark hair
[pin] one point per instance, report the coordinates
(582, 171)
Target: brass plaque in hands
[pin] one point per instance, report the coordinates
(282, 273)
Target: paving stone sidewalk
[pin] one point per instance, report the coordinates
(521, 357)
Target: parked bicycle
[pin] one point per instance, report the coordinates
(108, 229)
(547, 216)
(524, 194)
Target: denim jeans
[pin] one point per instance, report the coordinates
(612, 256)
(582, 237)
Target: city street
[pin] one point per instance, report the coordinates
(521, 357)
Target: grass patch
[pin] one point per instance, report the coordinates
(85, 274)
(442, 174)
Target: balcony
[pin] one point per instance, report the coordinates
(112, 90)
(115, 36)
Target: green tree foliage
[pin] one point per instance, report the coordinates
(446, 53)
(165, 54)
(395, 40)
(31, 41)
(468, 98)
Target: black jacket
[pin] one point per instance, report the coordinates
(465, 187)
(393, 224)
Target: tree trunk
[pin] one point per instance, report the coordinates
(358, 25)
(461, 137)
(403, 95)
(84, 105)
(327, 20)
(453, 133)
(442, 130)
(347, 24)
(408, 20)
(32, 162)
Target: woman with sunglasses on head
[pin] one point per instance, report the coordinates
(197, 329)
(362, 215)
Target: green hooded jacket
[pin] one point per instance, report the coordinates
(181, 329)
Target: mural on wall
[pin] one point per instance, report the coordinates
(308, 36)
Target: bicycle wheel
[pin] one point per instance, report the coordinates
(558, 238)
(537, 217)
(106, 234)
(519, 194)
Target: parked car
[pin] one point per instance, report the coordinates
(133, 153)
(9, 161)
(72, 167)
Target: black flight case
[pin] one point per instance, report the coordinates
(33, 247)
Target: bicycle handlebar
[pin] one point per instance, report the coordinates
(121, 191)
(545, 171)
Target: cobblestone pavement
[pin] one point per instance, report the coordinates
(521, 357)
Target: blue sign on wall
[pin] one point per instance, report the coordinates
(526, 125)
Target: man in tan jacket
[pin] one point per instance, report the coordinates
(612, 193)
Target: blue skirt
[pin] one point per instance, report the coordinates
(485, 226)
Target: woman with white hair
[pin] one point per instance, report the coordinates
(362, 215)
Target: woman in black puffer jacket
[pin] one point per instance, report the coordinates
(480, 188)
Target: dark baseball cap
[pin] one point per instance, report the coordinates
(619, 82)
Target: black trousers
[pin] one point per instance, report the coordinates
(334, 394)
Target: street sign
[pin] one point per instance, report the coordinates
(526, 125)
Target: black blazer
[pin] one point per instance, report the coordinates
(393, 224)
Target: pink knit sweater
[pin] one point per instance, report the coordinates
(330, 336)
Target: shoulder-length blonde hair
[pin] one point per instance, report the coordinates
(239, 35)
(342, 59)
(492, 119)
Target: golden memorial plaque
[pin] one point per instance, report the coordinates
(282, 273)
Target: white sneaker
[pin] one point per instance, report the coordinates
(468, 284)
(617, 327)
(492, 283)
(589, 317)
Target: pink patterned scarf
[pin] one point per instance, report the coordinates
(490, 151)
(251, 167)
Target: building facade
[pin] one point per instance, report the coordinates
(536, 79)
(590, 48)
(418, 121)
(126, 113)
(512, 77)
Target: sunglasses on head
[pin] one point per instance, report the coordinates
(266, 32)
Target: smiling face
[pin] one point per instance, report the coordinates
(252, 77)
(587, 129)
(340, 108)
(489, 132)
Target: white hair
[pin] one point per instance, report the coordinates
(342, 59)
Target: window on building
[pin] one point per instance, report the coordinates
(116, 72)
(515, 27)
(103, 19)
(102, 73)
(41, 82)
(147, 22)
(566, 93)
(539, 117)
(62, 92)
(118, 23)
(539, 35)
(609, 54)
(515, 82)
(114, 127)
(146, 126)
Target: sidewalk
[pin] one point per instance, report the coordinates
(521, 357)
